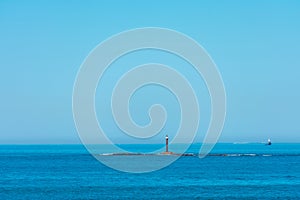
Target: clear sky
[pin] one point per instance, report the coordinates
(255, 44)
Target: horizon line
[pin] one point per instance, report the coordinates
(16, 144)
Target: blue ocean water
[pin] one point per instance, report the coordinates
(248, 171)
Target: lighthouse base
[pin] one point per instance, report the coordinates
(167, 153)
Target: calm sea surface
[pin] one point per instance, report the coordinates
(249, 171)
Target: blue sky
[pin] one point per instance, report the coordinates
(255, 44)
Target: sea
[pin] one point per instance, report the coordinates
(231, 171)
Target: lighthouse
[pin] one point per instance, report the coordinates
(167, 143)
(167, 152)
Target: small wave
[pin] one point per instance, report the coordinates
(107, 154)
(249, 154)
(232, 154)
(239, 154)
